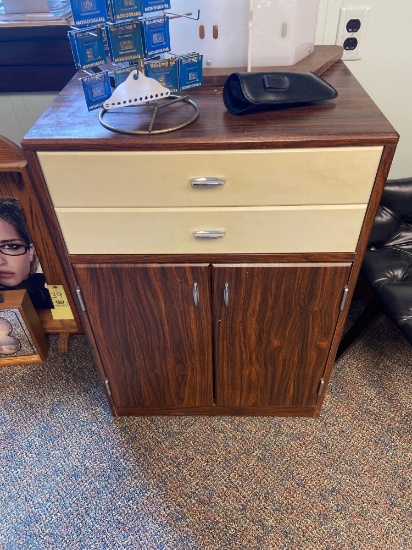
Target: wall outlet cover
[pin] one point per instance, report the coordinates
(351, 33)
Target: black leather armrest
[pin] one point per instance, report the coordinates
(387, 266)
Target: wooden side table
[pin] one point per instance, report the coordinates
(16, 182)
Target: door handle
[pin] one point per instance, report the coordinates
(207, 182)
(195, 294)
(209, 234)
(226, 294)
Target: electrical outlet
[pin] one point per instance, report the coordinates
(351, 34)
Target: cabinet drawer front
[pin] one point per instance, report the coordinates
(170, 231)
(252, 178)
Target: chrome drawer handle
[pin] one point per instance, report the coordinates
(209, 234)
(195, 294)
(207, 182)
(226, 294)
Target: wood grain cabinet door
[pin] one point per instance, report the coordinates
(154, 342)
(273, 326)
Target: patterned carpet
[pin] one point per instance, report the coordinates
(74, 477)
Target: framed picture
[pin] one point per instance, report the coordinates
(22, 338)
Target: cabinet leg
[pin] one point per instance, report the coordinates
(64, 341)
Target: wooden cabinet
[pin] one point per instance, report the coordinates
(225, 298)
(267, 326)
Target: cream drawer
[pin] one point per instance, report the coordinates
(170, 231)
(253, 178)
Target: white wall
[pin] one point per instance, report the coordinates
(385, 71)
(18, 113)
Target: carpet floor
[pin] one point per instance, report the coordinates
(74, 477)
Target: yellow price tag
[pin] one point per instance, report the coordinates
(62, 308)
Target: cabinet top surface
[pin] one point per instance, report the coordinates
(350, 119)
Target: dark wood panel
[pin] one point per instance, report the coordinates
(35, 79)
(35, 58)
(154, 342)
(35, 52)
(272, 340)
(33, 32)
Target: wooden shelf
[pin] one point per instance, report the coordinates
(55, 326)
(65, 328)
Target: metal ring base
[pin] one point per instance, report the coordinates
(155, 108)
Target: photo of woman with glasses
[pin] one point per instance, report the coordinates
(18, 259)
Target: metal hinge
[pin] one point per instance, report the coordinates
(80, 297)
(321, 386)
(109, 391)
(345, 295)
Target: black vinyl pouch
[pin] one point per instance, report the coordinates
(251, 92)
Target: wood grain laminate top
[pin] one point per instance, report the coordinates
(350, 119)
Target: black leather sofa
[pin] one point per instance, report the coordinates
(387, 265)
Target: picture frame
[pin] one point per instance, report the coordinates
(22, 338)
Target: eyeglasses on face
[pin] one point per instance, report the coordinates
(14, 249)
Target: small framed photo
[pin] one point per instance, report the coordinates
(22, 338)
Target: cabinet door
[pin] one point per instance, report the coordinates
(154, 342)
(273, 334)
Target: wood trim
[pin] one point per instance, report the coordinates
(221, 258)
(220, 411)
(11, 158)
